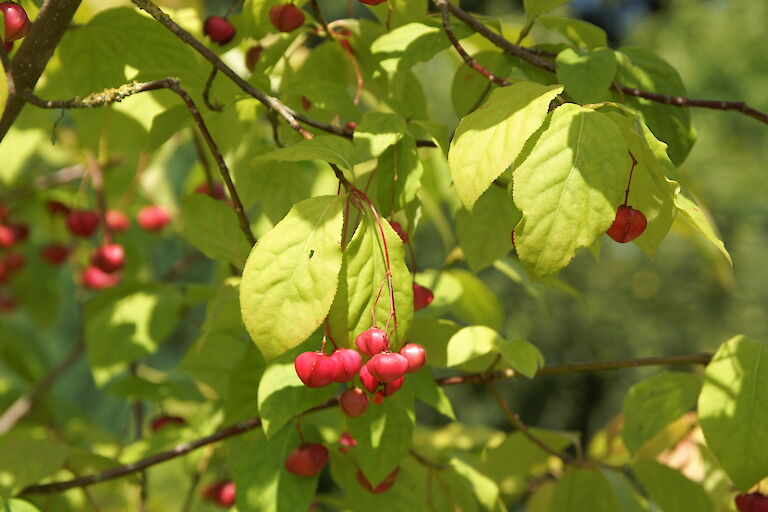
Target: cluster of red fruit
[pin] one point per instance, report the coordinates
(17, 23)
(752, 502)
(383, 374)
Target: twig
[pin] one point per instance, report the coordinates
(514, 418)
(138, 426)
(472, 63)
(534, 58)
(320, 18)
(426, 462)
(109, 96)
(203, 161)
(24, 403)
(207, 91)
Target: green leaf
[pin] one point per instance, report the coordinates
(586, 75)
(579, 32)
(485, 490)
(426, 390)
(488, 140)
(733, 409)
(384, 435)
(698, 219)
(669, 489)
(581, 489)
(15, 505)
(376, 132)
(25, 460)
(212, 359)
(652, 191)
(3, 89)
(513, 460)
(522, 356)
(290, 278)
(282, 395)
(641, 68)
(212, 226)
(568, 187)
(325, 95)
(223, 311)
(533, 8)
(473, 348)
(477, 303)
(469, 88)
(400, 12)
(654, 403)
(362, 275)
(165, 124)
(241, 400)
(485, 233)
(263, 483)
(403, 47)
(328, 148)
(434, 335)
(121, 327)
(399, 175)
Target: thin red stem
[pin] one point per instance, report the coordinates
(629, 182)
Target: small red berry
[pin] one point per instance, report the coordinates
(307, 459)
(353, 402)
(351, 126)
(391, 387)
(400, 232)
(14, 262)
(218, 29)
(368, 381)
(372, 341)
(82, 223)
(252, 57)
(628, 224)
(387, 366)
(422, 297)
(217, 193)
(117, 221)
(109, 258)
(55, 254)
(57, 207)
(349, 362)
(383, 486)
(346, 441)
(316, 369)
(416, 356)
(752, 502)
(221, 493)
(153, 218)
(286, 17)
(7, 237)
(17, 23)
(96, 279)
(164, 420)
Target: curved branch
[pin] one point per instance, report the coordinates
(532, 57)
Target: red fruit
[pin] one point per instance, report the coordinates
(55, 254)
(218, 29)
(383, 486)
(316, 369)
(20, 232)
(346, 441)
(351, 126)
(307, 459)
(222, 493)
(422, 297)
(372, 341)
(56, 207)
(109, 258)
(391, 387)
(96, 279)
(400, 232)
(82, 223)
(286, 17)
(628, 224)
(14, 262)
(7, 237)
(117, 221)
(378, 398)
(153, 218)
(372, 2)
(353, 402)
(387, 366)
(165, 420)
(252, 56)
(349, 363)
(218, 190)
(752, 502)
(17, 23)
(367, 380)
(416, 356)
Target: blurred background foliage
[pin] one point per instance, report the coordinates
(622, 306)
